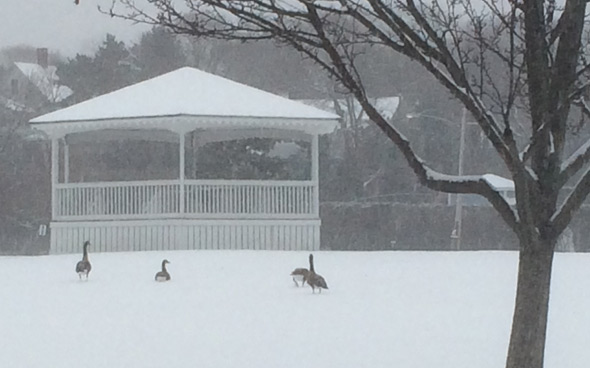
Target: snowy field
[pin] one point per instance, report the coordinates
(241, 309)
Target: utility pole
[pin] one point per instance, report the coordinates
(456, 234)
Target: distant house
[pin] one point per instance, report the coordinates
(352, 117)
(356, 133)
(349, 107)
(32, 86)
(504, 186)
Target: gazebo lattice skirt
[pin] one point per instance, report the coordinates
(178, 234)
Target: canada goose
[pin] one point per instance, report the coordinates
(313, 279)
(299, 274)
(163, 275)
(83, 267)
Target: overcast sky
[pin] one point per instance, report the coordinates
(61, 25)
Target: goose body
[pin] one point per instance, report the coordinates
(299, 275)
(83, 267)
(163, 275)
(313, 279)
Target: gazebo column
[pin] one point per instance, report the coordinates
(54, 175)
(315, 169)
(66, 161)
(181, 169)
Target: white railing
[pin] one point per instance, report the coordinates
(202, 199)
(117, 199)
(249, 197)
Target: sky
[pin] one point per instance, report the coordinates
(62, 26)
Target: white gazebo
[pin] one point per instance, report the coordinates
(184, 213)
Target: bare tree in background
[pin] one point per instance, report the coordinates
(495, 57)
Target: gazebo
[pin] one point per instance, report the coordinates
(184, 213)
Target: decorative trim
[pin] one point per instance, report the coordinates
(181, 124)
(263, 183)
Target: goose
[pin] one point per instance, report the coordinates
(163, 275)
(313, 279)
(299, 274)
(83, 267)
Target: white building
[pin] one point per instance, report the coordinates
(184, 213)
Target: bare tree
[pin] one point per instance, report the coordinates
(494, 56)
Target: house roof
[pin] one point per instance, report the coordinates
(387, 106)
(46, 80)
(498, 182)
(188, 99)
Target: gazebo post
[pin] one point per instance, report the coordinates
(54, 175)
(181, 169)
(315, 166)
(66, 161)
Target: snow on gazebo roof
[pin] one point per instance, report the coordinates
(184, 100)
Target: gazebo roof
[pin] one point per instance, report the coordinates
(183, 100)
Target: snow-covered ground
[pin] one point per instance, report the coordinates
(241, 309)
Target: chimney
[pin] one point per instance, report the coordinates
(43, 57)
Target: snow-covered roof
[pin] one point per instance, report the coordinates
(187, 99)
(387, 106)
(46, 80)
(499, 182)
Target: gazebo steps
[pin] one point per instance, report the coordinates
(182, 234)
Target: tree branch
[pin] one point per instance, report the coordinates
(572, 203)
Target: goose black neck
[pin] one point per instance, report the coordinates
(311, 263)
(164, 266)
(85, 254)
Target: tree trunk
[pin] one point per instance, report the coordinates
(529, 324)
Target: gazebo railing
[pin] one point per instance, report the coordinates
(117, 199)
(250, 197)
(196, 199)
